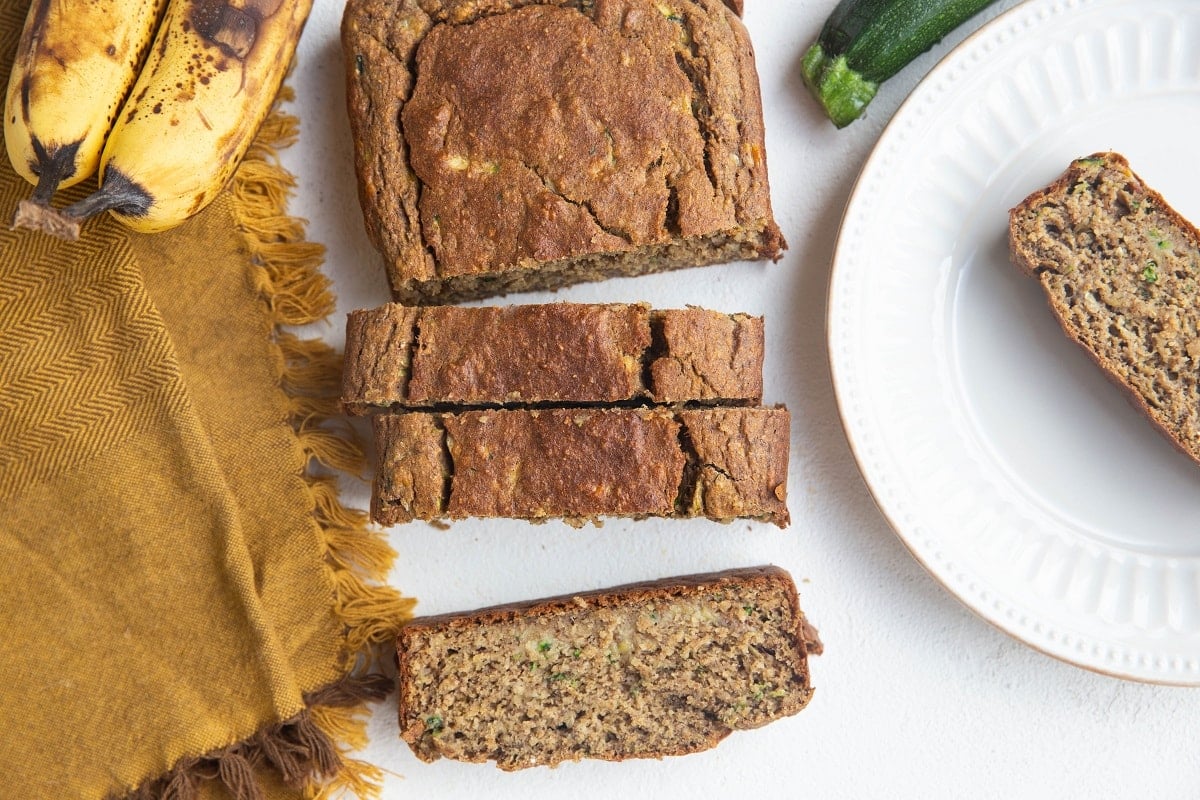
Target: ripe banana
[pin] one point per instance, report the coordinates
(75, 64)
(208, 84)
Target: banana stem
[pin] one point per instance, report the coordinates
(53, 169)
(95, 203)
(47, 185)
(118, 193)
(40, 217)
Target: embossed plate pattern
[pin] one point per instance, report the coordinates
(1019, 477)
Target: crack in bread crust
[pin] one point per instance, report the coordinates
(548, 355)
(447, 237)
(583, 464)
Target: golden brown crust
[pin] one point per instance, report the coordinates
(558, 352)
(704, 355)
(742, 456)
(413, 470)
(745, 584)
(574, 463)
(555, 353)
(378, 356)
(379, 38)
(470, 188)
(582, 464)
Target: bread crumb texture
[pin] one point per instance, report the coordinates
(1120, 270)
(644, 671)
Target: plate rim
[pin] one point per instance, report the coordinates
(1012, 17)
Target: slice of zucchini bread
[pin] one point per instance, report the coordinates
(1120, 269)
(513, 145)
(639, 671)
(581, 464)
(555, 353)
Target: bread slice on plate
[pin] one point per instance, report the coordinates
(639, 671)
(1121, 270)
(511, 146)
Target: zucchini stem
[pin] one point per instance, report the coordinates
(865, 42)
(842, 92)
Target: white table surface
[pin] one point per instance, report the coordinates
(916, 696)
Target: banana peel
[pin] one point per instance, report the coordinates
(208, 81)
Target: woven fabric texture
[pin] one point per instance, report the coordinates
(181, 594)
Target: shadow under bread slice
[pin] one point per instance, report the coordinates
(1120, 269)
(556, 353)
(639, 671)
(581, 464)
(511, 145)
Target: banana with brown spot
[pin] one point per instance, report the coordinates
(75, 64)
(211, 78)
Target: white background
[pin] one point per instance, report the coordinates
(916, 696)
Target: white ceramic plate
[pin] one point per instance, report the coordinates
(1006, 462)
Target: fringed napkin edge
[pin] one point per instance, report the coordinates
(309, 752)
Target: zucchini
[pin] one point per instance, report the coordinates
(865, 42)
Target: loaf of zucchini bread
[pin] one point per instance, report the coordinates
(553, 353)
(639, 671)
(722, 463)
(1120, 269)
(516, 145)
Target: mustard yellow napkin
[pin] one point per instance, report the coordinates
(185, 606)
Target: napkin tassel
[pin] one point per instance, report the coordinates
(310, 751)
(236, 774)
(301, 749)
(313, 749)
